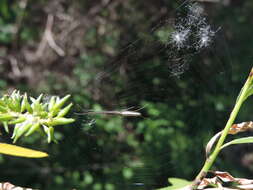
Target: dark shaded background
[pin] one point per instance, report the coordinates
(109, 55)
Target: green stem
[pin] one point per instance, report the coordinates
(209, 162)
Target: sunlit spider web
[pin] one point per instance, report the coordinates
(153, 69)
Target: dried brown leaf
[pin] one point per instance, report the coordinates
(9, 186)
(241, 127)
(224, 178)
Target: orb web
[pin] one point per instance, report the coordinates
(153, 72)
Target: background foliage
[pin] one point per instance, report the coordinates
(180, 114)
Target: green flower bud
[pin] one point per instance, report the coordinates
(51, 104)
(16, 99)
(25, 105)
(36, 105)
(21, 129)
(60, 121)
(6, 117)
(33, 129)
(50, 134)
(59, 104)
(19, 120)
(11, 104)
(2, 103)
(64, 111)
(42, 114)
(3, 109)
(6, 128)
(36, 100)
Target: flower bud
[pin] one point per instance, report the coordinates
(33, 129)
(64, 111)
(19, 120)
(3, 109)
(60, 121)
(6, 128)
(21, 129)
(50, 134)
(60, 103)
(25, 105)
(51, 104)
(6, 117)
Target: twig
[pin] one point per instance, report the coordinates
(14, 66)
(48, 39)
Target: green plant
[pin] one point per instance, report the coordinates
(27, 118)
(246, 91)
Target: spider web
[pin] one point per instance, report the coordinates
(153, 69)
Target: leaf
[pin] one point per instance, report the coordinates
(223, 180)
(177, 184)
(9, 186)
(14, 150)
(240, 127)
(235, 128)
(211, 142)
(239, 141)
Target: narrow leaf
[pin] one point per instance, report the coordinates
(177, 184)
(14, 150)
(239, 141)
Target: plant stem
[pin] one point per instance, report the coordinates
(210, 160)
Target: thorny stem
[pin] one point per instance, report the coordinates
(210, 160)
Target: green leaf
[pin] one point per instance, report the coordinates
(239, 141)
(177, 183)
(249, 92)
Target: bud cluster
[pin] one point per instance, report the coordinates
(31, 115)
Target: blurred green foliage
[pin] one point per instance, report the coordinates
(101, 152)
